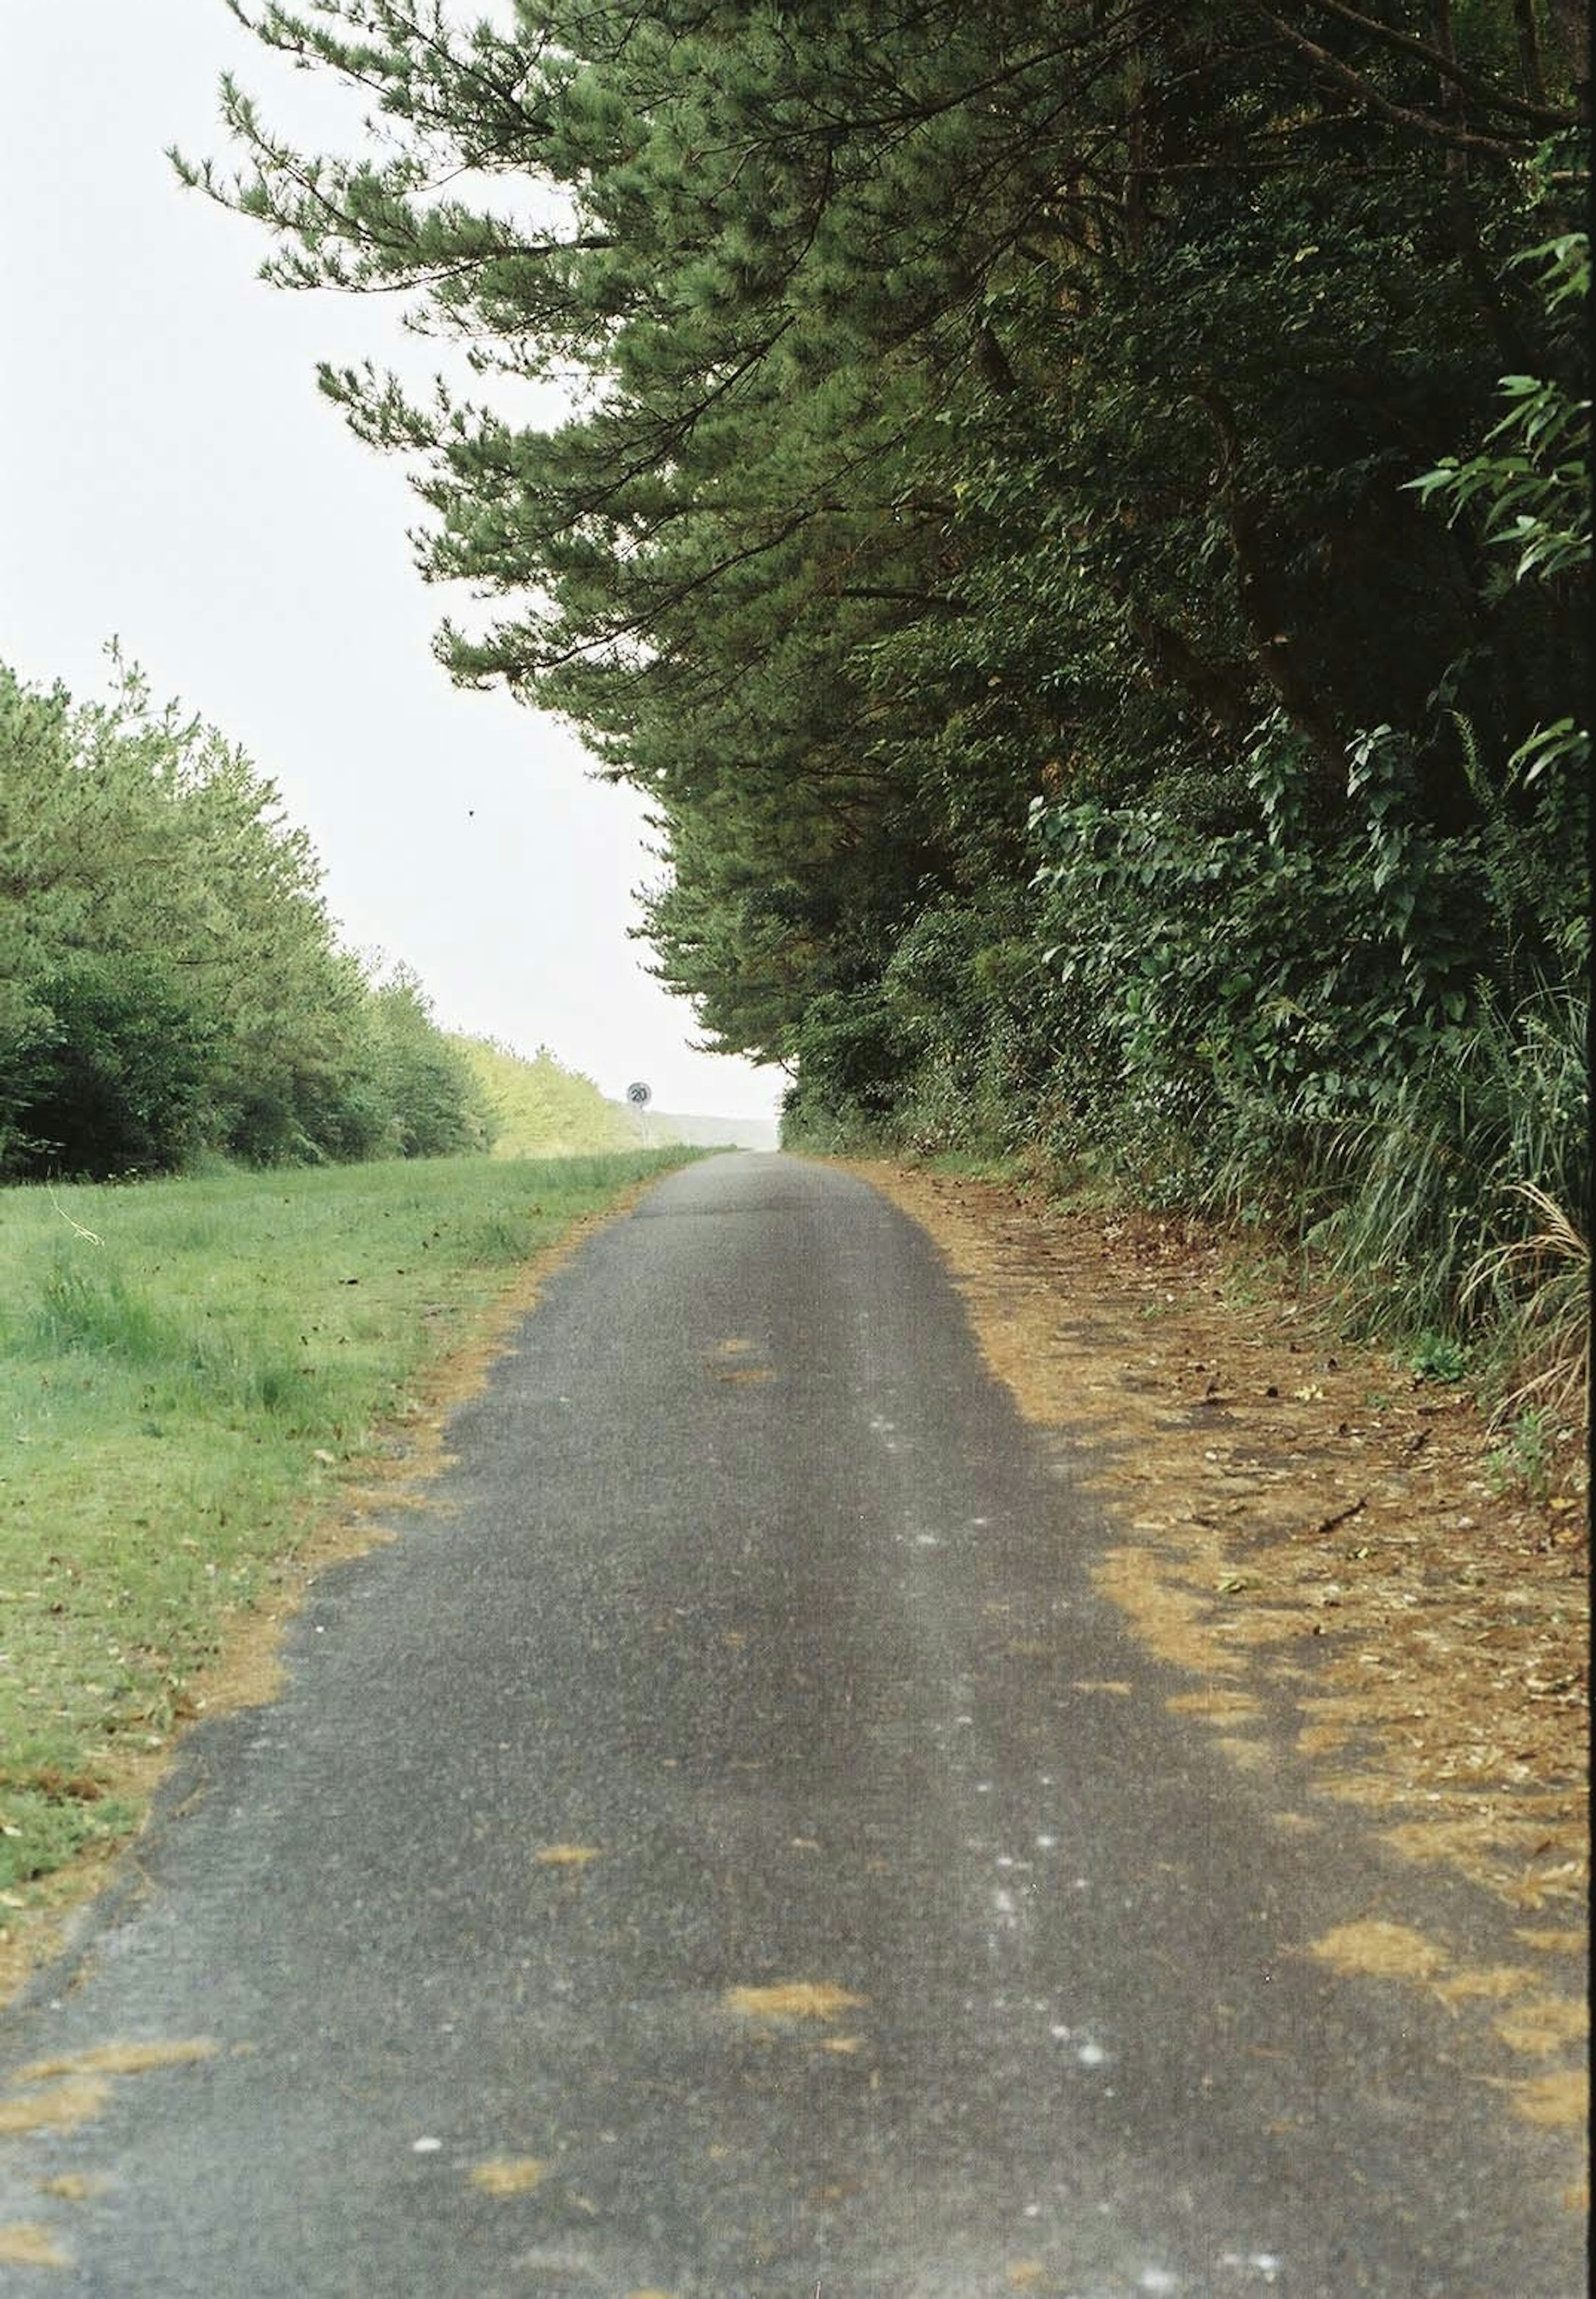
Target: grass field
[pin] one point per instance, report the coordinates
(189, 1370)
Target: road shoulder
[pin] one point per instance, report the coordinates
(1316, 1541)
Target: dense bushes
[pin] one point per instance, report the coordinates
(170, 983)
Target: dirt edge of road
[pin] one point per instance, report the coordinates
(1309, 1534)
(402, 1459)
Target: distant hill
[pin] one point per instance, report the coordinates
(662, 1126)
(543, 1109)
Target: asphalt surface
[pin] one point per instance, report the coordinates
(752, 1601)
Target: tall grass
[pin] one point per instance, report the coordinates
(185, 1368)
(1460, 1206)
(1539, 1287)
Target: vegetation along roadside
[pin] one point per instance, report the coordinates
(1077, 524)
(198, 1376)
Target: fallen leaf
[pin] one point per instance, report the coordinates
(62, 2108)
(794, 1999)
(567, 1855)
(510, 2175)
(71, 2186)
(119, 2060)
(26, 2244)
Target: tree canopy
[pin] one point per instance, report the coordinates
(170, 981)
(1039, 518)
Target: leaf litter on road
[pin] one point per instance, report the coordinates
(1290, 1516)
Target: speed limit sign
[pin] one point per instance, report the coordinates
(638, 1095)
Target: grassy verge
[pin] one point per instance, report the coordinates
(187, 1371)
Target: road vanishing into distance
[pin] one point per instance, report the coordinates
(725, 1847)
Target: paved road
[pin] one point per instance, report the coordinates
(750, 1585)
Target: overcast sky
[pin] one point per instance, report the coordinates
(169, 475)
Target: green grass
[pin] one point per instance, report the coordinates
(186, 1369)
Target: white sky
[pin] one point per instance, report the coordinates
(169, 475)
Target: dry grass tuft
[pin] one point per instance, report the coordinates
(1548, 1274)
